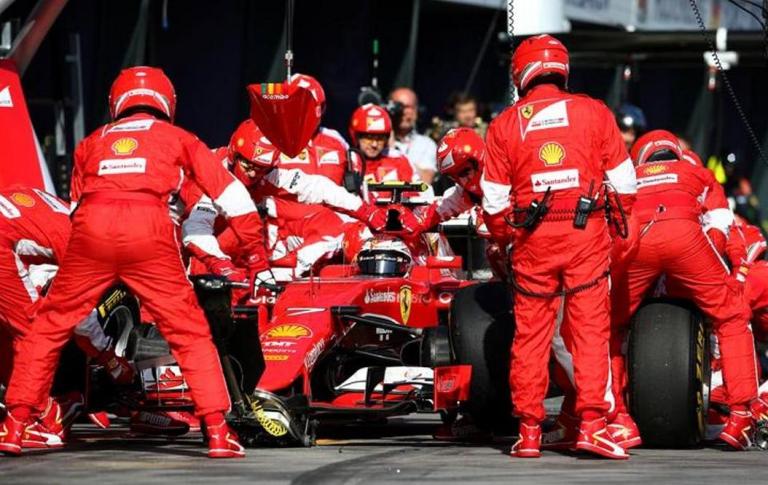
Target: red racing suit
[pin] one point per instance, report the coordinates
(299, 219)
(325, 154)
(564, 145)
(34, 231)
(669, 208)
(124, 174)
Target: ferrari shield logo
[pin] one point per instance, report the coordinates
(527, 111)
(406, 299)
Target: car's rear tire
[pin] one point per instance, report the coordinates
(668, 365)
(481, 331)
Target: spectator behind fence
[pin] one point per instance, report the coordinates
(464, 112)
(420, 149)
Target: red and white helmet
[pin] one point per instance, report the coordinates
(656, 145)
(142, 86)
(461, 149)
(312, 85)
(536, 56)
(371, 119)
(249, 146)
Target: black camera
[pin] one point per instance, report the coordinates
(395, 110)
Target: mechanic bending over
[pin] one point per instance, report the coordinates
(34, 231)
(552, 151)
(293, 201)
(124, 174)
(668, 210)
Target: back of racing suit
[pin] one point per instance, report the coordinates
(557, 146)
(124, 174)
(672, 242)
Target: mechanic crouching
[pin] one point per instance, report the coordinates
(672, 242)
(124, 174)
(552, 152)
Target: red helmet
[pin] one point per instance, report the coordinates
(313, 86)
(692, 157)
(142, 86)
(249, 147)
(536, 56)
(371, 119)
(656, 145)
(459, 149)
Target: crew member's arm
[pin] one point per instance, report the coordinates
(317, 189)
(718, 218)
(496, 185)
(230, 198)
(454, 202)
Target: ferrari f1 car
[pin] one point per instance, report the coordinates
(397, 331)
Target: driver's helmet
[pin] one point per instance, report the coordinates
(384, 256)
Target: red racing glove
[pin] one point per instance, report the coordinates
(225, 267)
(376, 218)
(411, 225)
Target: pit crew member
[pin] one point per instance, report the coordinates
(370, 128)
(34, 230)
(552, 151)
(124, 174)
(668, 210)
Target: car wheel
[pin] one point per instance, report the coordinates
(668, 365)
(481, 330)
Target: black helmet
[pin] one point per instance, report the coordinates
(384, 256)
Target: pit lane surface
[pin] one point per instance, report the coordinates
(401, 451)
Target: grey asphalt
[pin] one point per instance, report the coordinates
(401, 451)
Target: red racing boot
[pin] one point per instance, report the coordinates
(38, 436)
(595, 437)
(563, 435)
(51, 418)
(100, 419)
(222, 441)
(759, 408)
(625, 432)
(528, 444)
(11, 433)
(738, 430)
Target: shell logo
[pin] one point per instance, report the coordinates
(289, 331)
(23, 200)
(552, 153)
(240, 142)
(655, 169)
(125, 146)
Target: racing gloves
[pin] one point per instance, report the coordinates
(375, 218)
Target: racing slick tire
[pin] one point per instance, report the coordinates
(481, 331)
(669, 370)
